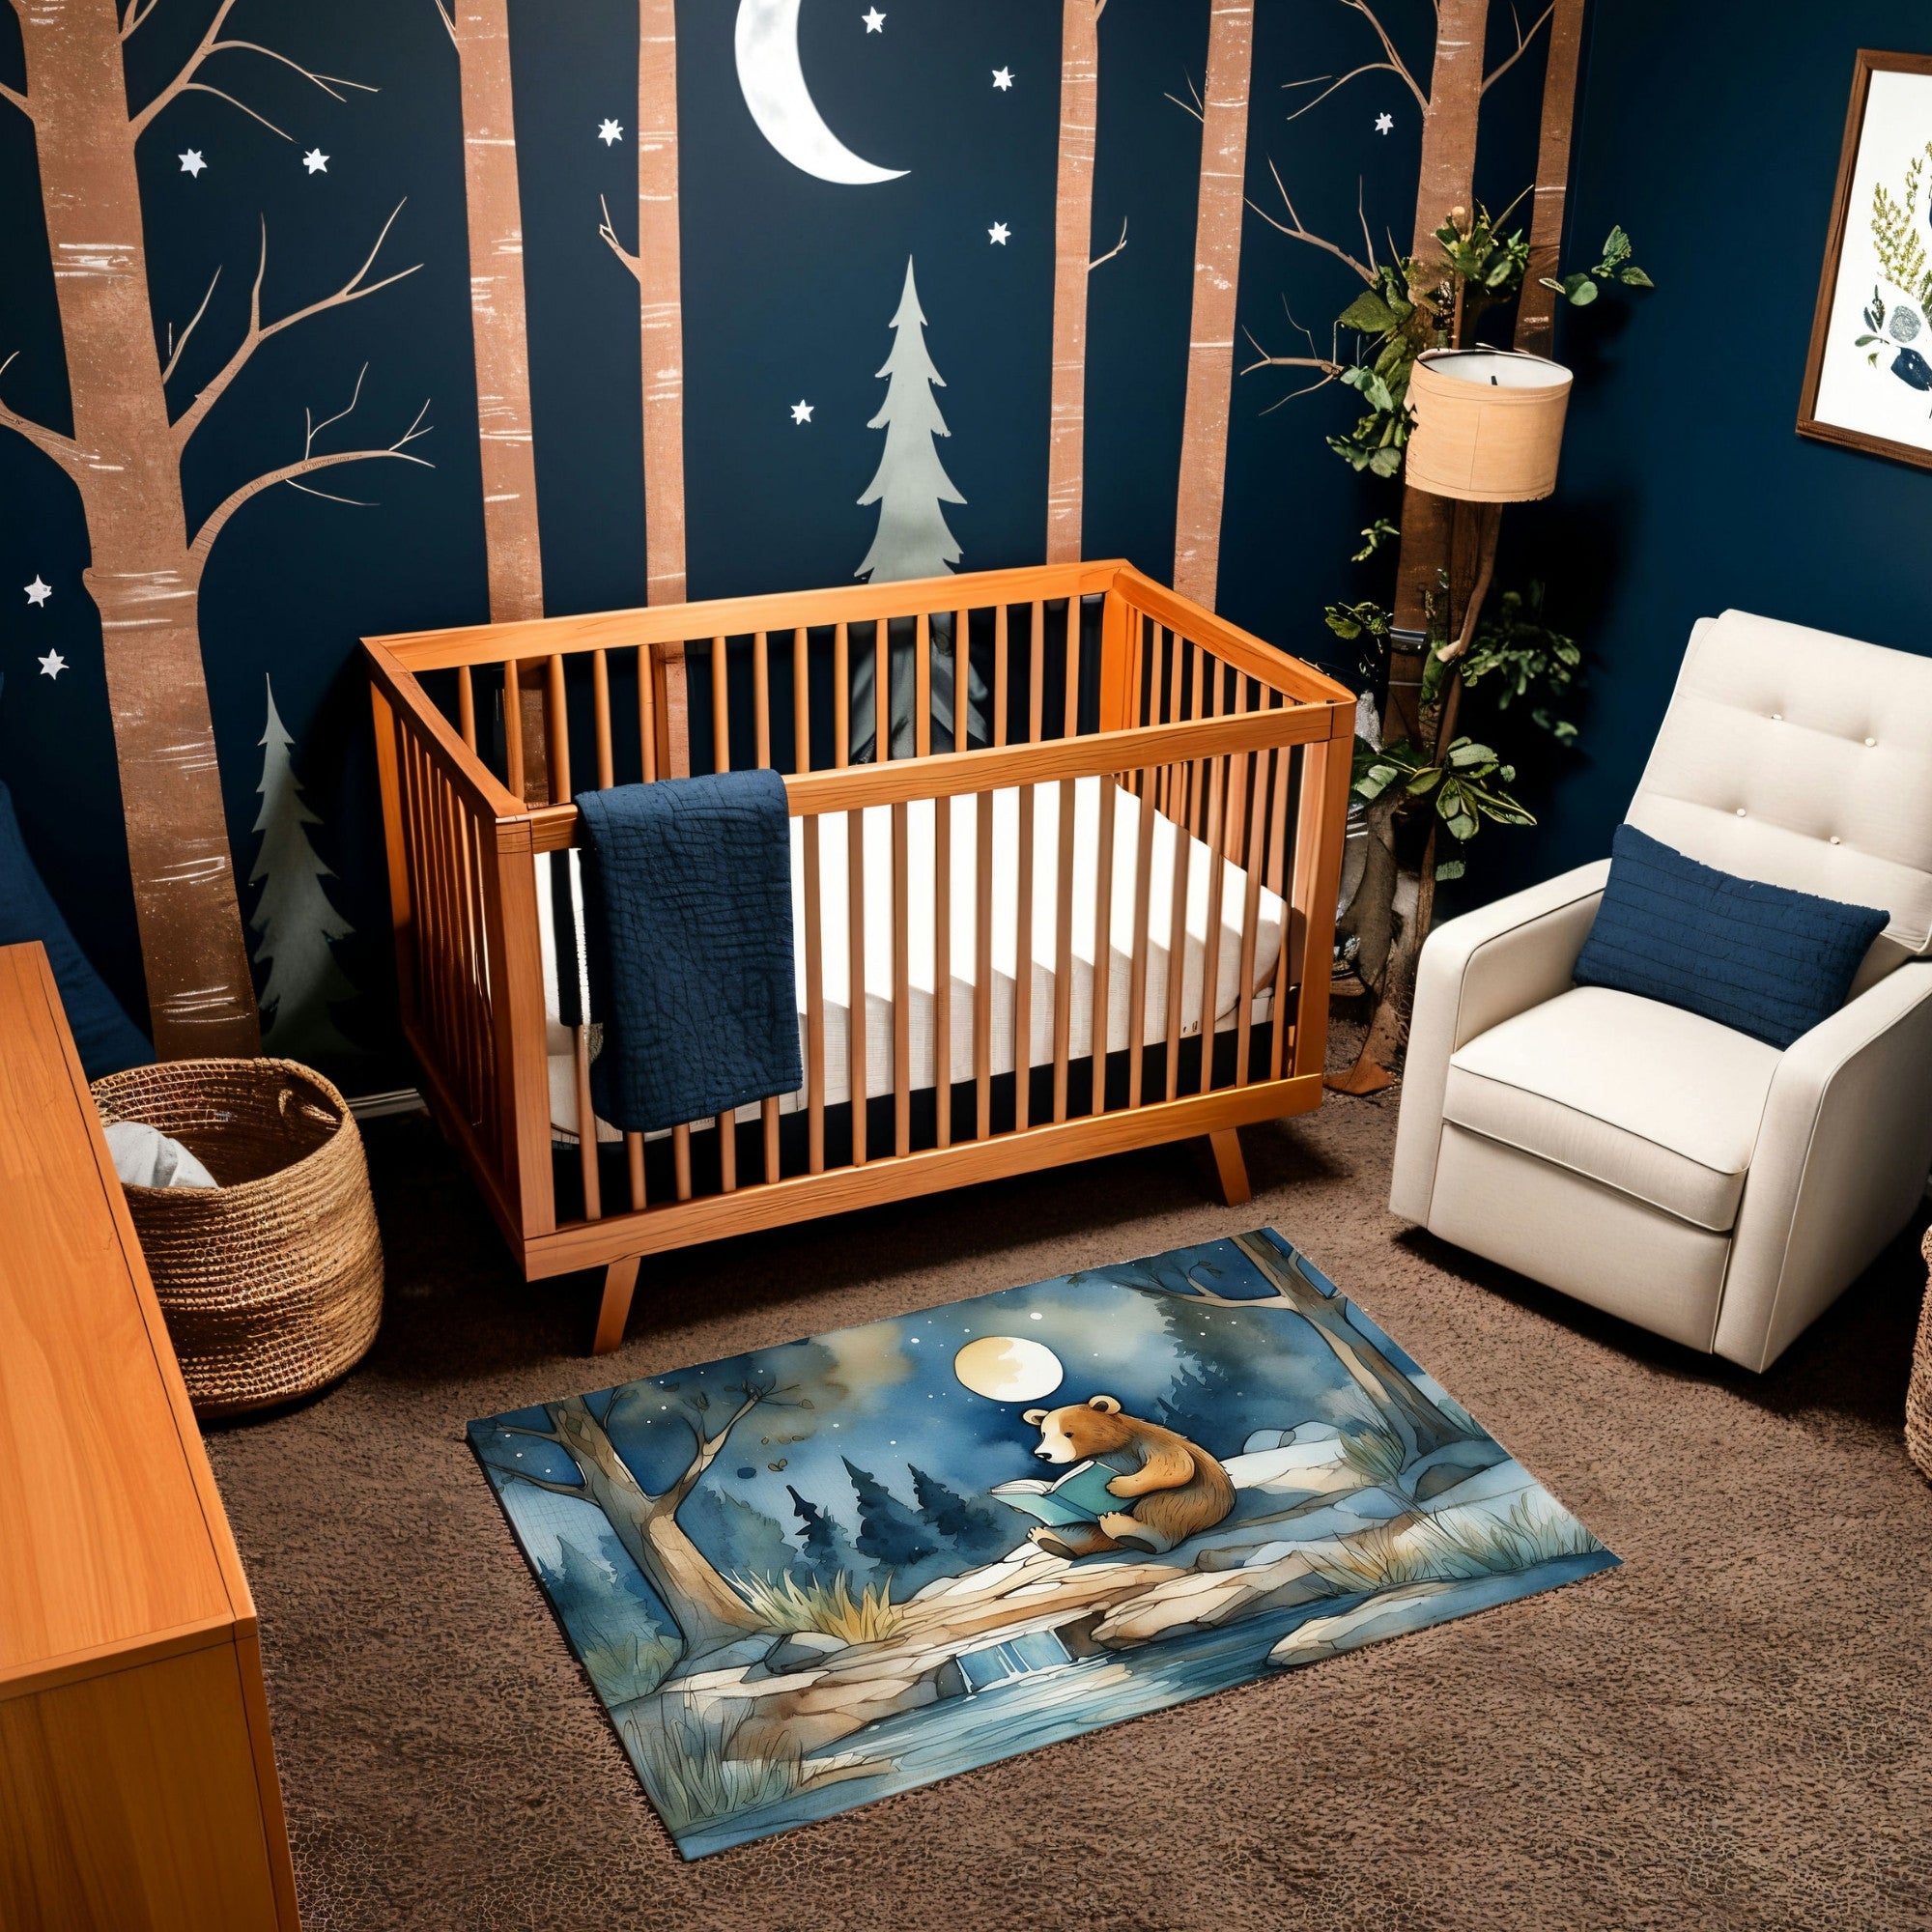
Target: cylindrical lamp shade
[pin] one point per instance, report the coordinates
(1488, 424)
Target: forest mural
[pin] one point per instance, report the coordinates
(822, 1571)
(325, 323)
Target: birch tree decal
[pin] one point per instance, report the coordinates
(125, 459)
(1211, 337)
(480, 32)
(298, 924)
(1072, 241)
(659, 300)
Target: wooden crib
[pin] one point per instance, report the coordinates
(1110, 724)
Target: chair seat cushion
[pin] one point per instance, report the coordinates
(1762, 958)
(1660, 1104)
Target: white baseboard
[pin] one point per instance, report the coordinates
(378, 1106)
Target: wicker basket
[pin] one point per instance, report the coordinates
(1919, 1392)
(272, 1283)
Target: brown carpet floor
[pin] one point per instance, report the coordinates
(1734, 1729)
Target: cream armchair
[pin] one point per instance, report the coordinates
(1647, 1160)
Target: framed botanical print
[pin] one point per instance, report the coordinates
(1868, 378)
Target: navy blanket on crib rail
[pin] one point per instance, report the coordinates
(687, 912)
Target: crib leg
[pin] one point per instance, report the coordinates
(1230, 1168)
(620, 1279)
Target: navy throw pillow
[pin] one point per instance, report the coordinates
(1762, 959)
(104, 1037)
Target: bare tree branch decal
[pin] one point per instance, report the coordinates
(1522, 44)
(1113, 251)
(258, 332)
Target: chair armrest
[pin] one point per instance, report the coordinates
(1839, 1166)
(1476, 972)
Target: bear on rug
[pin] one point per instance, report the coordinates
(1171, 1488)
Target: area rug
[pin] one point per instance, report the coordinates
(817, 1573)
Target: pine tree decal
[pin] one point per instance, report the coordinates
(911, 488)
(911, 483)
(297, 923)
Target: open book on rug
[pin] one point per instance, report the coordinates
(1081, 1496)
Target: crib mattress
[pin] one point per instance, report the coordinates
(834, 889)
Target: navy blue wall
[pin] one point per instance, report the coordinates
(1713, 133)
(790, 284)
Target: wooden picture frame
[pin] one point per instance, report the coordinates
(1887, 152)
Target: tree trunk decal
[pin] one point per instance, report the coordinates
(659, 297)
(124, 458)
(1210, 340)
(1072, 242)
(481, 32)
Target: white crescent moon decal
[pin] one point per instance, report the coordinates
(781, 102)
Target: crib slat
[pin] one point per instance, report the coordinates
(1173, 648)
(1037, 675)
(513, 730)
(1069, 720)
(1176, 955)
(922, 687)
(560, 733)
(815, 1000)
(1238, 787)
(982, 959)
(841, 695)
(647, 716)
(962, 678)
(1063, 949)
(727, 1151)
(801, 700)
(669, 663)
(720, 705)
(769, 1112)
(1250, 861)
(761, 695)
(466, 705)
(901, 983)
(855, 954)
(942, 962)
(882, 693)
(1001, 687)
(633, 1157)
(1137, 972)
(587, 1127)
(1217, 879)
(680, 1160)
(1284, 770)
(1104, 944)
(600, 690)
(1023, 962)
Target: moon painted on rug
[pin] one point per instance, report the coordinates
(782, 104)
(1007, 1369)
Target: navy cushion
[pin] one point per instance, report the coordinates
(1761, 960)
(104, 1035)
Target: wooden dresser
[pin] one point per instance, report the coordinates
(137, 1781)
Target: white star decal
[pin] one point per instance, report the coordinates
(52, 665)
(801, 411)
(1003, 78)
(875, 22)
(999, 233)
(610, 132)
(38, 592)
(316, 162)
(192, 162)
(1384, 123)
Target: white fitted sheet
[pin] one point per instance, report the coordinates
(835, 887)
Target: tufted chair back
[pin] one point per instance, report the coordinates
(1804, 759)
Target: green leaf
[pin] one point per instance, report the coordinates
(1424, 782)
(1450, 869)
(1463, 754)
(1369, 314)
(1635, 278)
(1583, 293)
(1617, 246)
